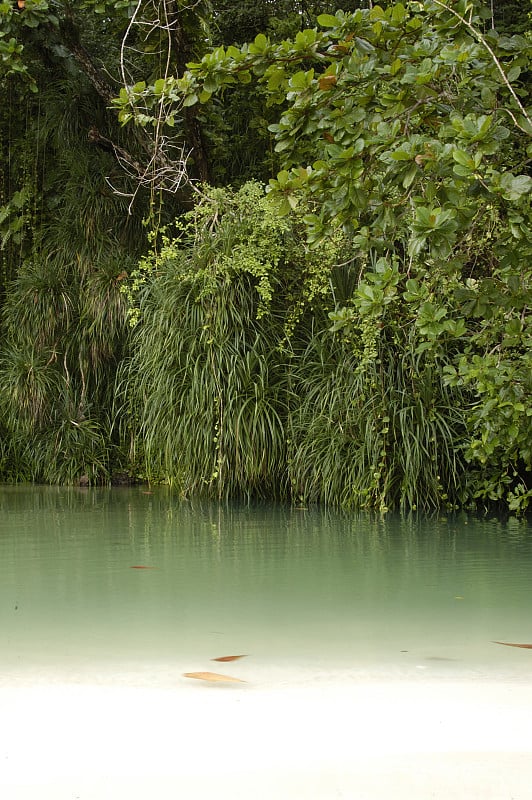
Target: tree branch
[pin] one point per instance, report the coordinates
(478, 36)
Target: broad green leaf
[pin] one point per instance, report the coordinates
(376, 13)
(301, 80)
(259, 44)
(401, 155)
(410, 176)
(398, 13)
(515, 186)
(305, 39)
(463, 158)
(395, 66)
(284, 144)
(363, 45)
(190, 100)
(513, 73)
(327, 21)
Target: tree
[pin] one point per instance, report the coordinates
(406, 130)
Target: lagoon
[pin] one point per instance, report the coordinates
(370, 666)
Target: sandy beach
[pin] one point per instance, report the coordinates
(322, 737)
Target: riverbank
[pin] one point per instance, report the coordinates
(320, 739)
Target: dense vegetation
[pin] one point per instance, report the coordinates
(268, 249)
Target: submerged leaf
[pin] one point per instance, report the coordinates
(214, 677)
(228, 658)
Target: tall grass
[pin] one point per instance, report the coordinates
(208, 389)
(205, 388)
(63, 326)
(387, 435)
(62, 338)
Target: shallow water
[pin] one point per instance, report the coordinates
(310, 596)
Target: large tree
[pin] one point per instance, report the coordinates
(406, 132)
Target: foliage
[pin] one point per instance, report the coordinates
(205, 379)
(407, 129)
(66, 244)
(57, 361)
(375, 430)
(510, 16)
(251, 394)
(359, 335)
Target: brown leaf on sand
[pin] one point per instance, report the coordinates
(228, 658)
(214, 677)
(513, 644)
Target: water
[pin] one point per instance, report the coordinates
(370, 668)
(310, 596)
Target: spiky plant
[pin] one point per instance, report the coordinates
(62, 316)
(208, 388)
(206, 382)
(75, 448)
(385, 433)
(62, 341)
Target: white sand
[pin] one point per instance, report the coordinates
(324, 738)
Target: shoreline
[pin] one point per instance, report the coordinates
(369, 740)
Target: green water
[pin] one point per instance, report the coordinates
(307, 594)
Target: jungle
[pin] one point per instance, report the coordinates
(277, 249)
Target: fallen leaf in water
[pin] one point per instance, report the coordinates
(228, 658)
(513, 644)
(212, 676)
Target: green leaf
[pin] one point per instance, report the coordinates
(376, 13)
(305, 39)
(259, 44)
(398, 13)
(327, 21)
(463, 158)
(515, 186)
(301, 80)
(363, 45)
(190, 100)
(410, 176)
(395, 66)
(284, 144)
(401, 155)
